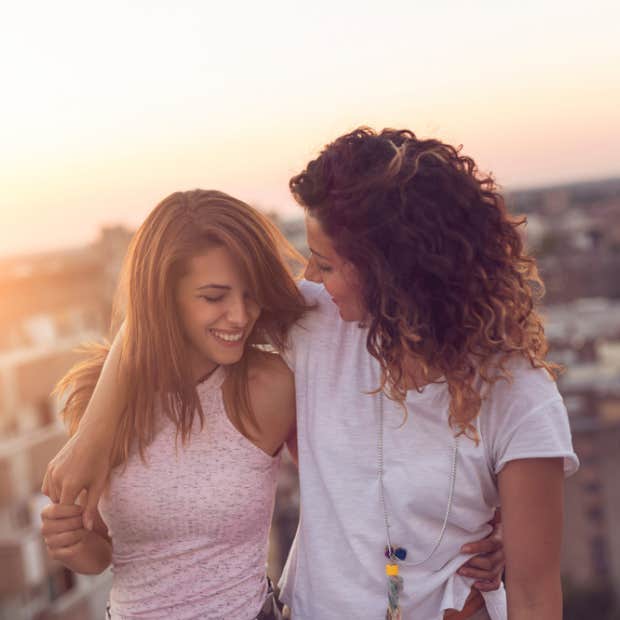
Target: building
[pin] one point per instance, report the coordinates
(51, 304)
(585, 336)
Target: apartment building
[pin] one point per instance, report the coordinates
(51, 304)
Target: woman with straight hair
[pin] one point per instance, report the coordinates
(185, 517)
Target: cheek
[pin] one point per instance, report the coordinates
(345, 290)
(197, 316)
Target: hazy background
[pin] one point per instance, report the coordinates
(108, 107)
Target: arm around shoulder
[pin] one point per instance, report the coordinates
(84, 461)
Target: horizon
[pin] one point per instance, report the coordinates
(80, 245)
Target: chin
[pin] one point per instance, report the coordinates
(224, 358)
(231, 358)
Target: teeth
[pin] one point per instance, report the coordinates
(227, 337)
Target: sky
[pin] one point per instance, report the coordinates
(108, 107)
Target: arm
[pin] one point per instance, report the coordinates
(84, 461)
(67, 541)
(531, 492)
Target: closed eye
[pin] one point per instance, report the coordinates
(211, 299)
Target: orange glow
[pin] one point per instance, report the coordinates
(110, 108)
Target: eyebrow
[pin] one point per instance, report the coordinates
(319, 255)
(217, 286)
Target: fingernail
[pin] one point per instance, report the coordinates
(466, 549)
(89, 524)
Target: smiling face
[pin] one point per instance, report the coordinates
(217, 310)
(339, 276)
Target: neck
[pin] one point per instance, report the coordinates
(206, 375)
(202, 368)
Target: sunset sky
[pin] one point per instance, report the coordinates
(107, 107)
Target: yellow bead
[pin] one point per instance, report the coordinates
(391, 570)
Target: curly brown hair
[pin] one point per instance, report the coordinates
(444, 275)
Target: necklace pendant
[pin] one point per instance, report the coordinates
(395, 588)
(395, 553)
(393, 615)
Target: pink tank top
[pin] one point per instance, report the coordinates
(190, 528)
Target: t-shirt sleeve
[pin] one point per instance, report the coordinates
(529, 420)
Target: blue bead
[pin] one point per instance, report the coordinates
(400, 553)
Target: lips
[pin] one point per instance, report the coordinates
(229, 338)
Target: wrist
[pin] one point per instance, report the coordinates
(95, 430)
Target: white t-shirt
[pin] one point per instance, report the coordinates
(336, 568)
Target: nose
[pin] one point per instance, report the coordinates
(238, 312)
(312, 272)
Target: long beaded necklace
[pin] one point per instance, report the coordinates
(396, 554)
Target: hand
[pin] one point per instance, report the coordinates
(82, 464)
(62, 531)
(487, 567)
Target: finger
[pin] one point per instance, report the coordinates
(65, 539)
(475, 573)
(81, 498)
(45, 484)
(496, 560)
(55, 526)
(487, 586)
(480, 562)
(488, 545)
(49, 488)
(92, 500)
(61, 511)
(65, 553)
(69, 492)
(486, 566)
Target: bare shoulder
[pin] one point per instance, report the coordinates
(270, 380)
(272, 393)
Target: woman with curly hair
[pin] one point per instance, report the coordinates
(423, 397)
(406, 452)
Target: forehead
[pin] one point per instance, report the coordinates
(318, 242)
(216, 263)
